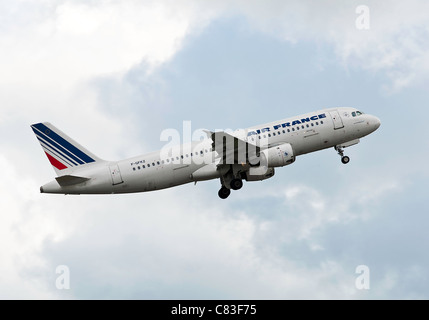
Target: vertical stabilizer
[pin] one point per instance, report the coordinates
(64, 154)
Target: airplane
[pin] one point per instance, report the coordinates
(250, 154)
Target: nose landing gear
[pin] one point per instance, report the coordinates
(344, 159)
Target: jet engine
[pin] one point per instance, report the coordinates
(278, 156)
(270, 158)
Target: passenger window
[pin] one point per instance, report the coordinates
(312, 124)
(162, 161)
(269, 135)
(144, 166)
(134, 169)
(148, 165)
(201, 152)
(317, 123)
(302, 127)
(138, 167)
(274, 134)
(308, 126)
(321, 121)
(293, 129)
(153, 164)
(297, 128)
(284, 131)
(157, 162)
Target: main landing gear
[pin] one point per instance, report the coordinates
(224, 192)
(235, 184)
(344, 159)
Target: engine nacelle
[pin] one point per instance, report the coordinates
(278, 156)
(259, 173)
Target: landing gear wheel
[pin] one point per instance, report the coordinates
(344, 159)
(236, 184)
(224, 193)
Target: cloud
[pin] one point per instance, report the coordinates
(178, 251)
(25, 224)
(76, 40)
(395, 44)
(53, 51)
(196, 247)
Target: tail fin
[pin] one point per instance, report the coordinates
(63, 153)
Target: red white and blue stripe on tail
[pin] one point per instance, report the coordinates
(62, 152)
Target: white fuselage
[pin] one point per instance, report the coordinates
(164, 169)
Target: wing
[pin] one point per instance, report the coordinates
(233, 150)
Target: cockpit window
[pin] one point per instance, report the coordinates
(357, 114)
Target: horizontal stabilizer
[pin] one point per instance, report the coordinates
(69, 180)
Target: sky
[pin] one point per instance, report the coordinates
(114, 74)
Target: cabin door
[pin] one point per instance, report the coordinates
(336, 118)
(115, 173)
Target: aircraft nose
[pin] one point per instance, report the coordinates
(377, 123)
